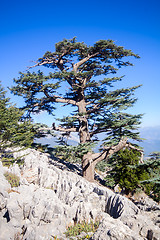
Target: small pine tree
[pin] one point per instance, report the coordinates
(125, 170)
(14, 130)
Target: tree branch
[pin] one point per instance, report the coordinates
(109, 151)
(94, 108)
(59, 99)
(46, 61)
(78, 64)
(64, 129)
(64, 100)
(56, 59)
(97, 131)
(99, 105)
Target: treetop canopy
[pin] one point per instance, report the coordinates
(89, 72)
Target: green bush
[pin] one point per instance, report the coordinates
(126, 171)
(12, 179)
(15, 129)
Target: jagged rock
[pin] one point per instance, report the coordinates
(4, 185)
(3, 199)
(147, 204)
(50, 199)
(142, 224)
(114, 229)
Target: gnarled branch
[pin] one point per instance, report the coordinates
(78, 64)
(60, 99)
(109, 151)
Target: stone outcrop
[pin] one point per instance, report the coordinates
(52, 196)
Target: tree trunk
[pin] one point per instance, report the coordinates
(83, 123)
(91, 159)
(88, 167)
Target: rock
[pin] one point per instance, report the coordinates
(14, 208)
(50, 199)
(7, 231)
(118, 205)
(3, 199)
(114, 229)
(15, 170)
(147, 204)
(4, 185)
(142, 224)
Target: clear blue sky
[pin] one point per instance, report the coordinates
(29, 28)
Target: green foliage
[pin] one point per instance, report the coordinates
(42, 130)
(8, 159)
(126, 170)
(152, 184)
(102, 166)
(131, 175)
(12, 179)
(155, 194)
(14, 130)
(81, 227)
(42, 92)
(72, 153)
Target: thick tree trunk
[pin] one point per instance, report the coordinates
(88, 167)
(91, 159)
(83, 123)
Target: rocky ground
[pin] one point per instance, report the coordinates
(52, 196)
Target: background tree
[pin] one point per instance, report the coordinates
(98, 107)
(126, 171)
(152, 184)
(14, 130)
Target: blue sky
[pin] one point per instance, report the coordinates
(29, 28)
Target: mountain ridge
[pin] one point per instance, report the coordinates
(152, 139)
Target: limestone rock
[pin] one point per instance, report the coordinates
(50, 198)
(114, 229)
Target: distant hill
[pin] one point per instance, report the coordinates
(152, 142)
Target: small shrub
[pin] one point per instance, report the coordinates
(81, 227)
(12, 179)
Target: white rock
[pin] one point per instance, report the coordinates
(50, 199)
(114, 229)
